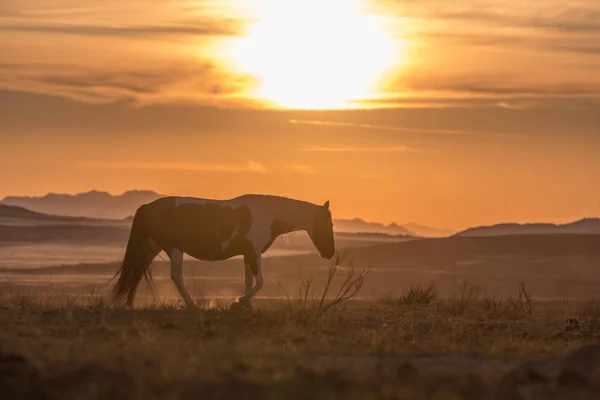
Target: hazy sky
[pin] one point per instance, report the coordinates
(449, 114)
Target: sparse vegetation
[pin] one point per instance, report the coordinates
(348, 288)
(70, 347)
(322, 339)
(469, 294)
(415, 296)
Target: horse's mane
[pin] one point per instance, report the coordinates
(274, 197)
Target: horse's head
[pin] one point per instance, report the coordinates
(321, 233)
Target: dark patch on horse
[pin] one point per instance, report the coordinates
(243, 216)
(250, 259)
(278, 227)
(322, 235)
(200, 229)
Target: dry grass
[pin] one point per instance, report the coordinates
(309, 302)
(69, 347)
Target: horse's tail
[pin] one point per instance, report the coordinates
(134, 266)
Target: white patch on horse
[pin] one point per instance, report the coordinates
(260, 231)
(225, 244)
(176, 257)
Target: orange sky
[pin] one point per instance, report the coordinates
(482, 113)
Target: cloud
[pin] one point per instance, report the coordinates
(533, 44)
(10, 13)
(456, 85)
(186, 82)
(477, 102)
(528, 88)
(570, 20)
(418, 131)
(250, 166)
(163, 54)
(366, 149)
(301, 168)
(378, 127)
(225, 28)
(554, 15)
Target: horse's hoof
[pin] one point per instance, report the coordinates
(192, 308)
(241, 305)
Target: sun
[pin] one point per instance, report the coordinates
(314, 54)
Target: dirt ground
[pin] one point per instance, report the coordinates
(410, 347)
(505, 318)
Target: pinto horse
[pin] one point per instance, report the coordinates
(214, 230)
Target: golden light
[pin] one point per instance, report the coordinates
(315, 54)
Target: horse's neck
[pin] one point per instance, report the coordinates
(297, 215)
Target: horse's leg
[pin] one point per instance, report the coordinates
(249, 280)
(151, 250)
(177, 277)
(253, 261)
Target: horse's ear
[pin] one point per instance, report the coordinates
(326, 205)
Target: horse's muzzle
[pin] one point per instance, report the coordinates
(328, 255)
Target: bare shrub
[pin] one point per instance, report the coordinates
(468, 298)
(522, 301)
(419, 296)
(306, 290)
(495, 306)
(349, 287)
(591, 309)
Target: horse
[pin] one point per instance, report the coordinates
(216, 230)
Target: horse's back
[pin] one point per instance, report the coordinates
(199, 226)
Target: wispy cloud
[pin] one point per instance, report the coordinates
(535, 44)
(379, 127)
(224, 29)
(420, 131)
(187, 81)
(301, 168)
(504, 104)
(365, 149)
(165, 54)
(569, 20)
(473, 101)
(250, 166)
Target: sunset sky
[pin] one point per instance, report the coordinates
(448, 114)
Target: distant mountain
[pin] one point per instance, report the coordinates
(426, 231)
(361, 226)
(92, 204)
(584, 226)
(103, 205)
(15, 215)
(7, 211)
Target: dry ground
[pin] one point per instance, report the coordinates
(410, 347)
(483, 337)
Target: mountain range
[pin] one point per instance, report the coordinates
(103, 205)
(92, 204)
(583, 226)
(412, 229)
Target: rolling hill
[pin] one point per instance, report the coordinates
(583, 226)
